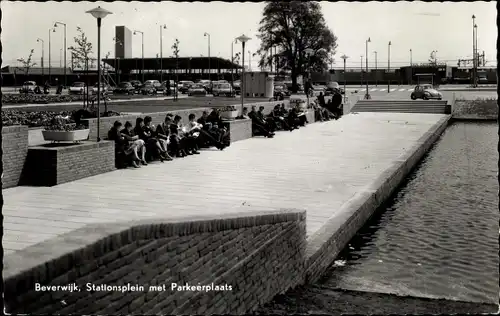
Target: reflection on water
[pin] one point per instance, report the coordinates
(438, 237)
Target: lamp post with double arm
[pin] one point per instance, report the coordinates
(389, 66)
(41, 61)
(367, 95)
(51, 30)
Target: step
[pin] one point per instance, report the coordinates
(440, 111)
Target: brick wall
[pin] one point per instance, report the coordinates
(14, 152)
(325, 245)
(259, 256)
(475, 109)
(158, 117)
(47, 165)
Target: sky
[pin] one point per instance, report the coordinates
(422, 27)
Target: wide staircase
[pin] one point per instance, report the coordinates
(402, 106)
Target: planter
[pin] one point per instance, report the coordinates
(229, 115)
(66, 136)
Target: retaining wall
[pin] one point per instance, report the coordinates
(475, 109)
(258, 256)
(14, 152)
(53, 164)
(325, 245)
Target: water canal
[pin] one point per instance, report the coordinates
(436, 238)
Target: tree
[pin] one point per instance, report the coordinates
(81, 52)
(175, 50)
(27, 64)
(299, 32)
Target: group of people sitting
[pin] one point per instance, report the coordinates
(279, 119)
(136, 145)
(331, 110)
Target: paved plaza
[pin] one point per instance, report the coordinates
(316, 168)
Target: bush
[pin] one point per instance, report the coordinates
(39, 98)
(45, 118)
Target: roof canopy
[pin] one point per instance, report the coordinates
(127, 64)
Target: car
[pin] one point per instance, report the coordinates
(77, 88)
(104, 88)
(136, 83)
(184, 86)
(172, 86)
(280, 91)
(148, 89)
(196, 90)
(222, 89)
(124, 88)
(155, 83)
(28, 87)
(426, 92)
(333, 87)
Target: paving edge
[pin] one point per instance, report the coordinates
(325, 244)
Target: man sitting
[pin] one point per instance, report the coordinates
(140, 147)
(221, 133)
(124, 151)
(271, 123)
(145, 132)
(182, 137)
(204, 138)
(281, 123)
(259, 126)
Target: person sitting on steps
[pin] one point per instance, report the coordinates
(124, 150)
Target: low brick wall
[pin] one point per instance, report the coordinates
(257, 256)
(325, 245)
(53, 164)
(475, 109)
(158, 117)
(239, 129)
(14, 152)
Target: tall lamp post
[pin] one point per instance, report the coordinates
(361, 68)
(162, 27)
(99, 13)
(142, 35)
(376, 74)
(411, 66)
(367, 95)
(389, 67)
(209, 68)
(476, 57)
(50, 31)
(473, 51)
(64, 24)
(41, 61)
(243, 39)
(344, 57)
(117, 61)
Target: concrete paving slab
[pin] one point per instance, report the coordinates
(317, 168)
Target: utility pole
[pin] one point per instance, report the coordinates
(473, 51)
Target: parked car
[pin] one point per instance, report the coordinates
(28, 87)
(163, 87)
(237, 86)
(136, 83)
(155, 83)
(222, 89)
(197, 90)
(104, 88)
(332, 88)
(426, 92)
(77, 88)
(184, 86)
(124, 88)
(148, 89)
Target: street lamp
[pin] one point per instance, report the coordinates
(411, 67)
(99, 13)
(117, 61)
(367, 95)
(142, 35)
(50, 30)
(209, 68)
(64, 24)
(162, 27)
(389, 67)
(243, 39)
(43, 44)
(473, 50)
(344, 57)
(376, 75)
(476, 57)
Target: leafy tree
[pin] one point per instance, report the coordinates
(27, 63)
(81, 50)
(175, 51)
(299, 32)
